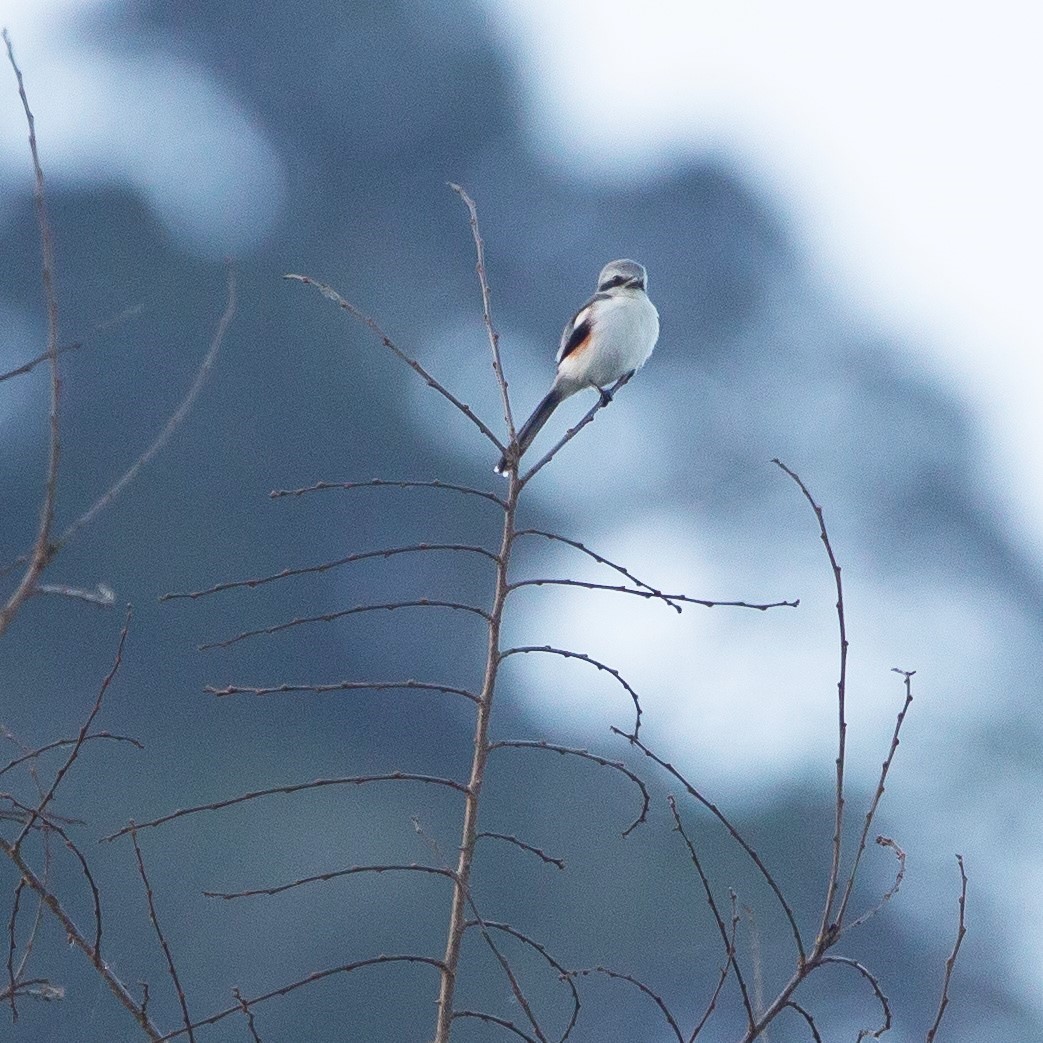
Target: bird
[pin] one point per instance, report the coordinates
(609, 338)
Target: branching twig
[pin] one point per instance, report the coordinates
(331, 294)
(583, 657)
(572, 751)
(154, 919)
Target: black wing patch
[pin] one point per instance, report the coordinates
(578, 335)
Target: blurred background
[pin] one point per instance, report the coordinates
(839, 215)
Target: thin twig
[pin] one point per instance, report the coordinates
(332, 875)
(829, 926)
(341, 686)
(806, 1015)
(29, 366)
(245, 1007)
(950, 963)
(874, 984)
(492, 1019)
(43, 550)
(329, 617)
(650, 595)
(583, 657)
(600, 560)
(81, 738)
(890, 892)
(573, 751)
(310, 979)
(299, 787)
(331, 294)
(487, 317)
(154, 918)
(735, 834)
(573, 431)
(509, 839)
(172, 424)
(326, 566)
(384, 483)
(58, 743)
(647, 990)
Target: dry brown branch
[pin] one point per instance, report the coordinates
(311, 979)
(950, 963)
(734, 833)
(81, 738)
(871, 815)
(329, 617)
(59, 743)
(42, 550)
(332, 875)
(563, 974)
(248, 1014)
(384, 483)
(326, 566)
(727, 936)
(28, 367)
(648, 991)
(509, 839)
(163, 944)
(172, 424)
(828, 926)
(76, 938)
(487, 318)
(584, 658)
(600, 560)
(572, 751)
(342, 686)
(651, 595)
(299, 787)
(331, 294)
(572, 432)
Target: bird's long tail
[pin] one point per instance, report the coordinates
(531, 428)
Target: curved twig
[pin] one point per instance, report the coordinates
(649, 992)
(383, 483)
(333, 875)
(326, 566)
(341, 686)
(509, 839)
(242, 798)
(329, 617)
(583, 657)
(572, 751)
(806, 1015)
(492, 1019)
(874, 984)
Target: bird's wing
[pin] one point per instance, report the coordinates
(577, 332)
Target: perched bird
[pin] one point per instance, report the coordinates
(610, 337)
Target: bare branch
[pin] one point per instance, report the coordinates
(950, 963)
(43, 549)
(383, 483)
(891, 892)
(154, 918)
(311, 979)
(330, 294)
(170, 427)
(542, 744)
(329, 617)
(483, 282)
(567, 654)
(808, 1018)
(508, 838)
(492, 1019)
(829, 926)
(573, 431)
(600, 560)
(735, 834)
(245, 1007)
(874, 984)
(326, 566)
(650, 993)
(28, 367)
(727, 937)
(333, 875)
(59, 743)
(81, 738)
(242, 798)
(341, 686)
(871, 815)
(649, 594)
